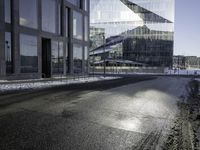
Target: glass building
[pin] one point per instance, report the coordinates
(43, 38)
(132, 32)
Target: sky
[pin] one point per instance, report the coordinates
(187, 27)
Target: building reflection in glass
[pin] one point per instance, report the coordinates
(138, 32)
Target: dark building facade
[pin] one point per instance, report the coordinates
(43, 38)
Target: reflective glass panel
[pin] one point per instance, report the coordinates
(8, 53)
(28, 53)
(86, 59)
(67, 21)
(49, 16)
(137, 32)
(77, 25)
(28, 13)
(78, 58)
(75, 2)
(67, 58)
(57, 57)
(59, 18)
(7, 10)
(86, 5)
(86, 28)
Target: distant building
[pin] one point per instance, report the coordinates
(43, 38)
(179, 62)
(192, 62)
(141, 32)
(186, 62)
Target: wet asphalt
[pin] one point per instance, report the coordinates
(123, 114)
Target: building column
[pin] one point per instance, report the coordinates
(2, 41)
(63, 33)
(15, 36)
(71, 62)
(40, 38)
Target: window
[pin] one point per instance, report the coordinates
(86, 28)
(75, 2)
(67, 21)
(57, 57)
(78, 58)
(77, 25)
(86, 59)
(67, 58)
(28, 13)
(49, 16)
(29, 54)
(7, 6)
(8, 53)
(59, 19)
(86, 5)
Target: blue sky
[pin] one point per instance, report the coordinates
(187, 27)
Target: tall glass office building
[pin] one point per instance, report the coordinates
(137, 32)
(43, 38)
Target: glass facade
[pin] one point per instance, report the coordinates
(59, 19)
(139, 32)
(78, 58)
(49, 15)
(86, 54)
(8, 53)
(75, 2)
(7, 5)
(67, 58)
(47, 38)
(28, 13)
(77, 25)
(28, 53)
(86, 5)
(57, 57)
(67, 21)
(86, 28)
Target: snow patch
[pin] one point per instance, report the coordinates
(31, 84)
(182, 72)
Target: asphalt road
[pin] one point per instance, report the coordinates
(120, 114)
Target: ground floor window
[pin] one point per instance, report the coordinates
(78, 58)
(57, 57)
(67, 59)
(28, 53)
(8, 53)
(86, 59)
(77, 25)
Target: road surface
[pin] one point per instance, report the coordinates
(133, 116)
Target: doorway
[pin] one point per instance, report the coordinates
(46, 58)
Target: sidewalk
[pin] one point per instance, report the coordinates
(17, 85)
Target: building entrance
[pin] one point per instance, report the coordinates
(46, 58)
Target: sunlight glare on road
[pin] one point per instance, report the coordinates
(144, 111)
(131, 124)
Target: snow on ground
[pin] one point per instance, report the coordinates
(6, 86)
(166, 72)
(182, 72)
(198, 79)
